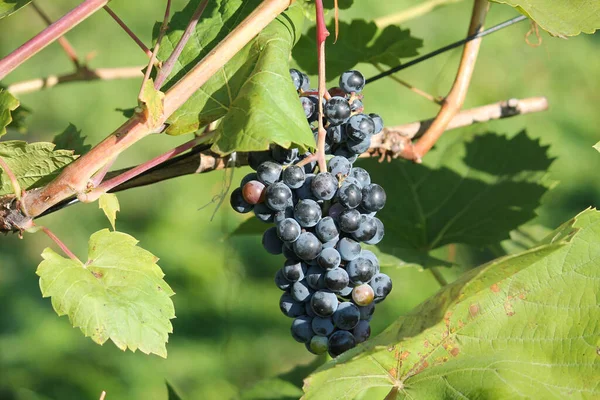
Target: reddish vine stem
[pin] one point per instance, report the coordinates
(322, 34)
(189, 30)
(132, 35)
(60, 244)
(49, 35)
(161, 34)
(64, 43)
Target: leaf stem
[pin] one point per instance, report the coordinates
(64, 43)
(132, 35)
(60, 244)
(49, 35)
(167, 66)
(13, 179)
(438, 276)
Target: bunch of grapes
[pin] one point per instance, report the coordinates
(321, 218)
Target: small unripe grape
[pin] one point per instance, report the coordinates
(363, 295)
(254, 192)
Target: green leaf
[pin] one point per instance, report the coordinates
(172, 394)
(560, 17)
(34, 164)
(524, 238)
(118, 294)
(7, 7)
(252, 93)
(404, 258)
(522, 326)
(273, 389)
(7, 104)
(71, 139)
(251, 226)
(151, 102)
(472, 192)
(359, 42)
(109, 203)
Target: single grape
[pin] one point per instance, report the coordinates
(324, 303)
(308, 310)
(307, 212)
(268, 172)
(290, 307)
(360, 270)
(280, 281)
(367, 229)
(284, 156)
(362, 331)
(293, 270)
(349, 221)
(379, 234)
(352, 81)
(318, 344)
(337, 110)
(357, 106)
(322, 326)
(315, 100)
(340, 342)
(378, 123)
(238, 203)
(349, 249)
(264, 213)
(309, 107)
(336, 134)
(339, 167)
(324, 186)
(346, 316)
(271, 241)
(360, 127)
(336, 279)
(254, 192)
(361, 175)
(359, 147)
(366, 312)
(374, 197)
(369, 255)
(363, 295)
(300, 291)
(329, 258)
(326, 229)
(304, 192)
(288, 230)
(302, 329)
(382, 285)
(307, 247)
(315, 278)
(335, 211)
(256, 158)
(297, 78)
(293, 176)
(349, 195)
(278, 196)
(305, 82)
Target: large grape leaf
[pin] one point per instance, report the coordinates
(359, 42)
(473, 192)
(8, 104)
(118, 294)
(561, 17)
(34, 164)
(8, 7)
(71, 139)
(522, 326)
(252, 93)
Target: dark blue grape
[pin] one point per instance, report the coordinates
(337, 110)
(281, 282)
(361, 331)
(322, 326)
(249, 177)
(366, 312)
(379, 234)
(318, 344)
(307, 247)
(271, 241)
(336, 279)
(300, 291)
(367, 229)
(352, 81)
(315, 278)
(288, 212)
(324, 303)
(329, 258)
(307, 212)
(340, 342)
(256, 158)
(359, 147)
(278, 196)
(357, 106)
(326, 229)
(268, 172)
(349, 195)
(378, 123)
(361, 175)
(349, 249)
(360, 270)
(374, 197)
(297, 78)
(290, 307)
(343, 151)
(349, 221)
(284, 156)
(336, 134)
(302, 329)
(288, 252)
(264, 213)
(305, 82)
(324, 186)
(369, 255)
(304, 192)
(288, 230)
(382, 285)
(339, 167)
(308, 309)
(346, 316)
(360, 127)
(293, 176)
(293, 270)
(238, 203)
(335, 211)
(309, 107)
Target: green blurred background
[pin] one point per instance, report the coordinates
(229, 333)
